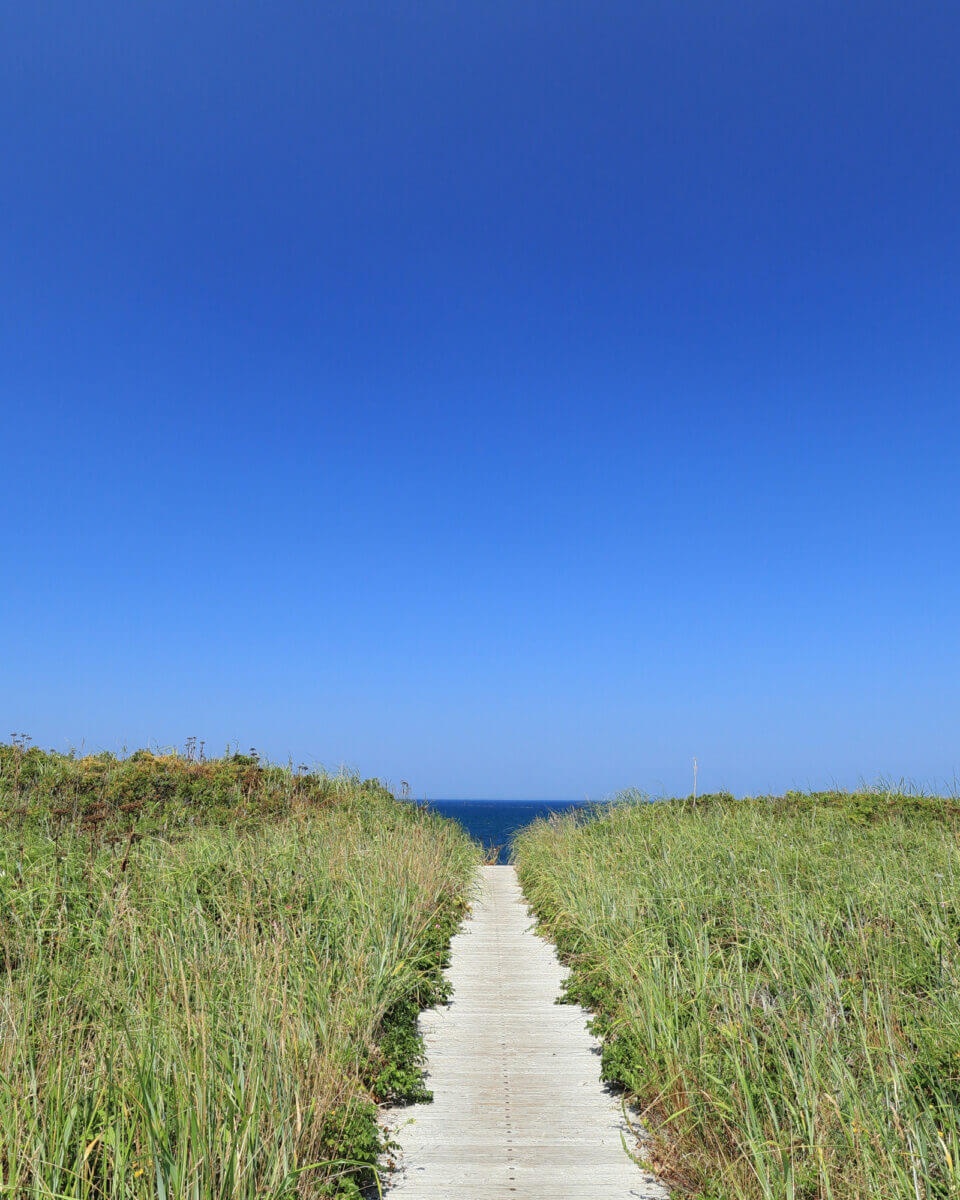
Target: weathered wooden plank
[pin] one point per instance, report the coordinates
(518, 1107)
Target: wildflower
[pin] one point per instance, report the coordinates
(946, 1153)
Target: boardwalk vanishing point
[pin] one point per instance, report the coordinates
(519, 1112)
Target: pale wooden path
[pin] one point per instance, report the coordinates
(519, 1112)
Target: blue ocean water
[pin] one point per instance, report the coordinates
(494, 822)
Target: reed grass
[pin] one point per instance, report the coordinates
(775, 981)
(209, 977)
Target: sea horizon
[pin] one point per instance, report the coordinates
(495, 822)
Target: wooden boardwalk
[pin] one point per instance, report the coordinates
(519, 1112)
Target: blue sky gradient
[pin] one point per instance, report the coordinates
(518, 399)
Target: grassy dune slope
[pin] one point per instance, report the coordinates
(776, 981)
(209, 971)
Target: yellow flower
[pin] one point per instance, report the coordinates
(946, 1153)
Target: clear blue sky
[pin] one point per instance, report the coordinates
(514, 398)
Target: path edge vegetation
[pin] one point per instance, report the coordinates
(554, 858)
(99, 823)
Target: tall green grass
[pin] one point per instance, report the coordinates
(775, 980)
(203, 995)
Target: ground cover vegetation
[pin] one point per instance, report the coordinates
(775, 980)
(210, 972)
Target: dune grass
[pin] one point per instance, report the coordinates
(210, 973)
(775, 981)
